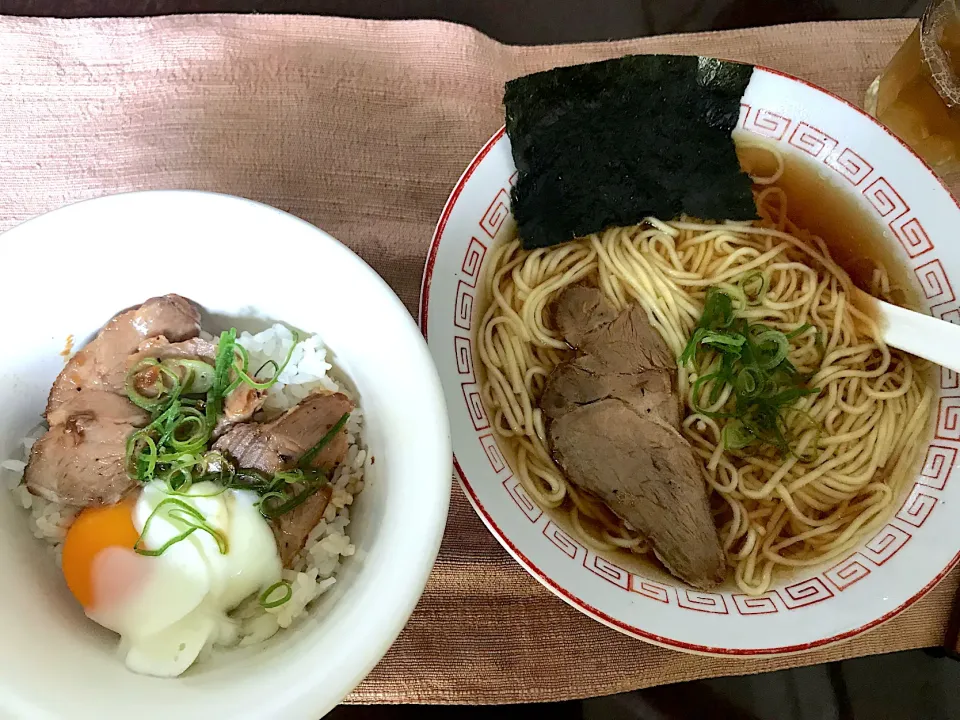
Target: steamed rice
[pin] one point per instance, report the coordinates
(316, 566)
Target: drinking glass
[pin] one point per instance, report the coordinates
(917, 96)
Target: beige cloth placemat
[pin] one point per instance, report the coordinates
(363, 128)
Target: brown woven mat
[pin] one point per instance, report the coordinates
(363, 128)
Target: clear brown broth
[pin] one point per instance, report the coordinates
(817, 202)
(857, 241)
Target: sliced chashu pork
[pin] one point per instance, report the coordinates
(239, 406)
(160, 348)
(646, 473)
(81, 460)
(613, 427)
(279, 445)
(102, 363)
(621, 355)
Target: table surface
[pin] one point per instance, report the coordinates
(515, 21)
(484, 630)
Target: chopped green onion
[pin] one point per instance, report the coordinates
(189, 433)
(173, 447)
(267, 603)
(771, 348)
(221, 377)
(241, 370)
(162, 393)
(281, 492)
(272, 495)
(290, 503)
(307, 458)
(750, 382)
(141, 456)
(718, 311)
(179, 473)
(752, 360)
(276, 368)
(722, 340)
(196, 376)
(753, 286)
(799, 331)
(183, 472)
(158, 450)
(186, 493)
(736, 436)
(188, 516)
(241, 361)
(252, 480)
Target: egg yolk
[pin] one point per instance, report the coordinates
(94, 530)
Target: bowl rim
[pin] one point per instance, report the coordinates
(309, 698)
(541, 576)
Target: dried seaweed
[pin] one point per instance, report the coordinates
(610, 143)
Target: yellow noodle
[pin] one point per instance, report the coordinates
(773, 513)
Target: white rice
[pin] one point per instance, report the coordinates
(48, 521)
(317, 564)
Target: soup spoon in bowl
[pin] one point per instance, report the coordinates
(922, 335)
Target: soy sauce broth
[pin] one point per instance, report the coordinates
(817, 201)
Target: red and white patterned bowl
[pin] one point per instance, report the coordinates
(889, 572)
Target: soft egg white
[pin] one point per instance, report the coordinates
(182, 600)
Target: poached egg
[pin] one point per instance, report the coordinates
(170, 598)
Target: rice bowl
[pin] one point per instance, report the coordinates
(316, 565)
(350, 623)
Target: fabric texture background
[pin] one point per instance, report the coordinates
(362, 128)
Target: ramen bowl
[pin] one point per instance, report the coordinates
(58, 663)
(891, 568)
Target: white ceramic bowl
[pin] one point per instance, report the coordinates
(890, 571)
(66, 273)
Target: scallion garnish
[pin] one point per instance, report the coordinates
(173, 447)
(753, 286)
(272, 511)
(751, 359)
(267, 603)
(307, 458)
(188, 432)
(141, 455)
(240, 368)
(187, 516)
(221, 376)
(151, 375)
(276, 368)
(197, 375)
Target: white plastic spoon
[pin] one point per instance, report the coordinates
(922, 335)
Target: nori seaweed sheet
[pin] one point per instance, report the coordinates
(610, 143)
